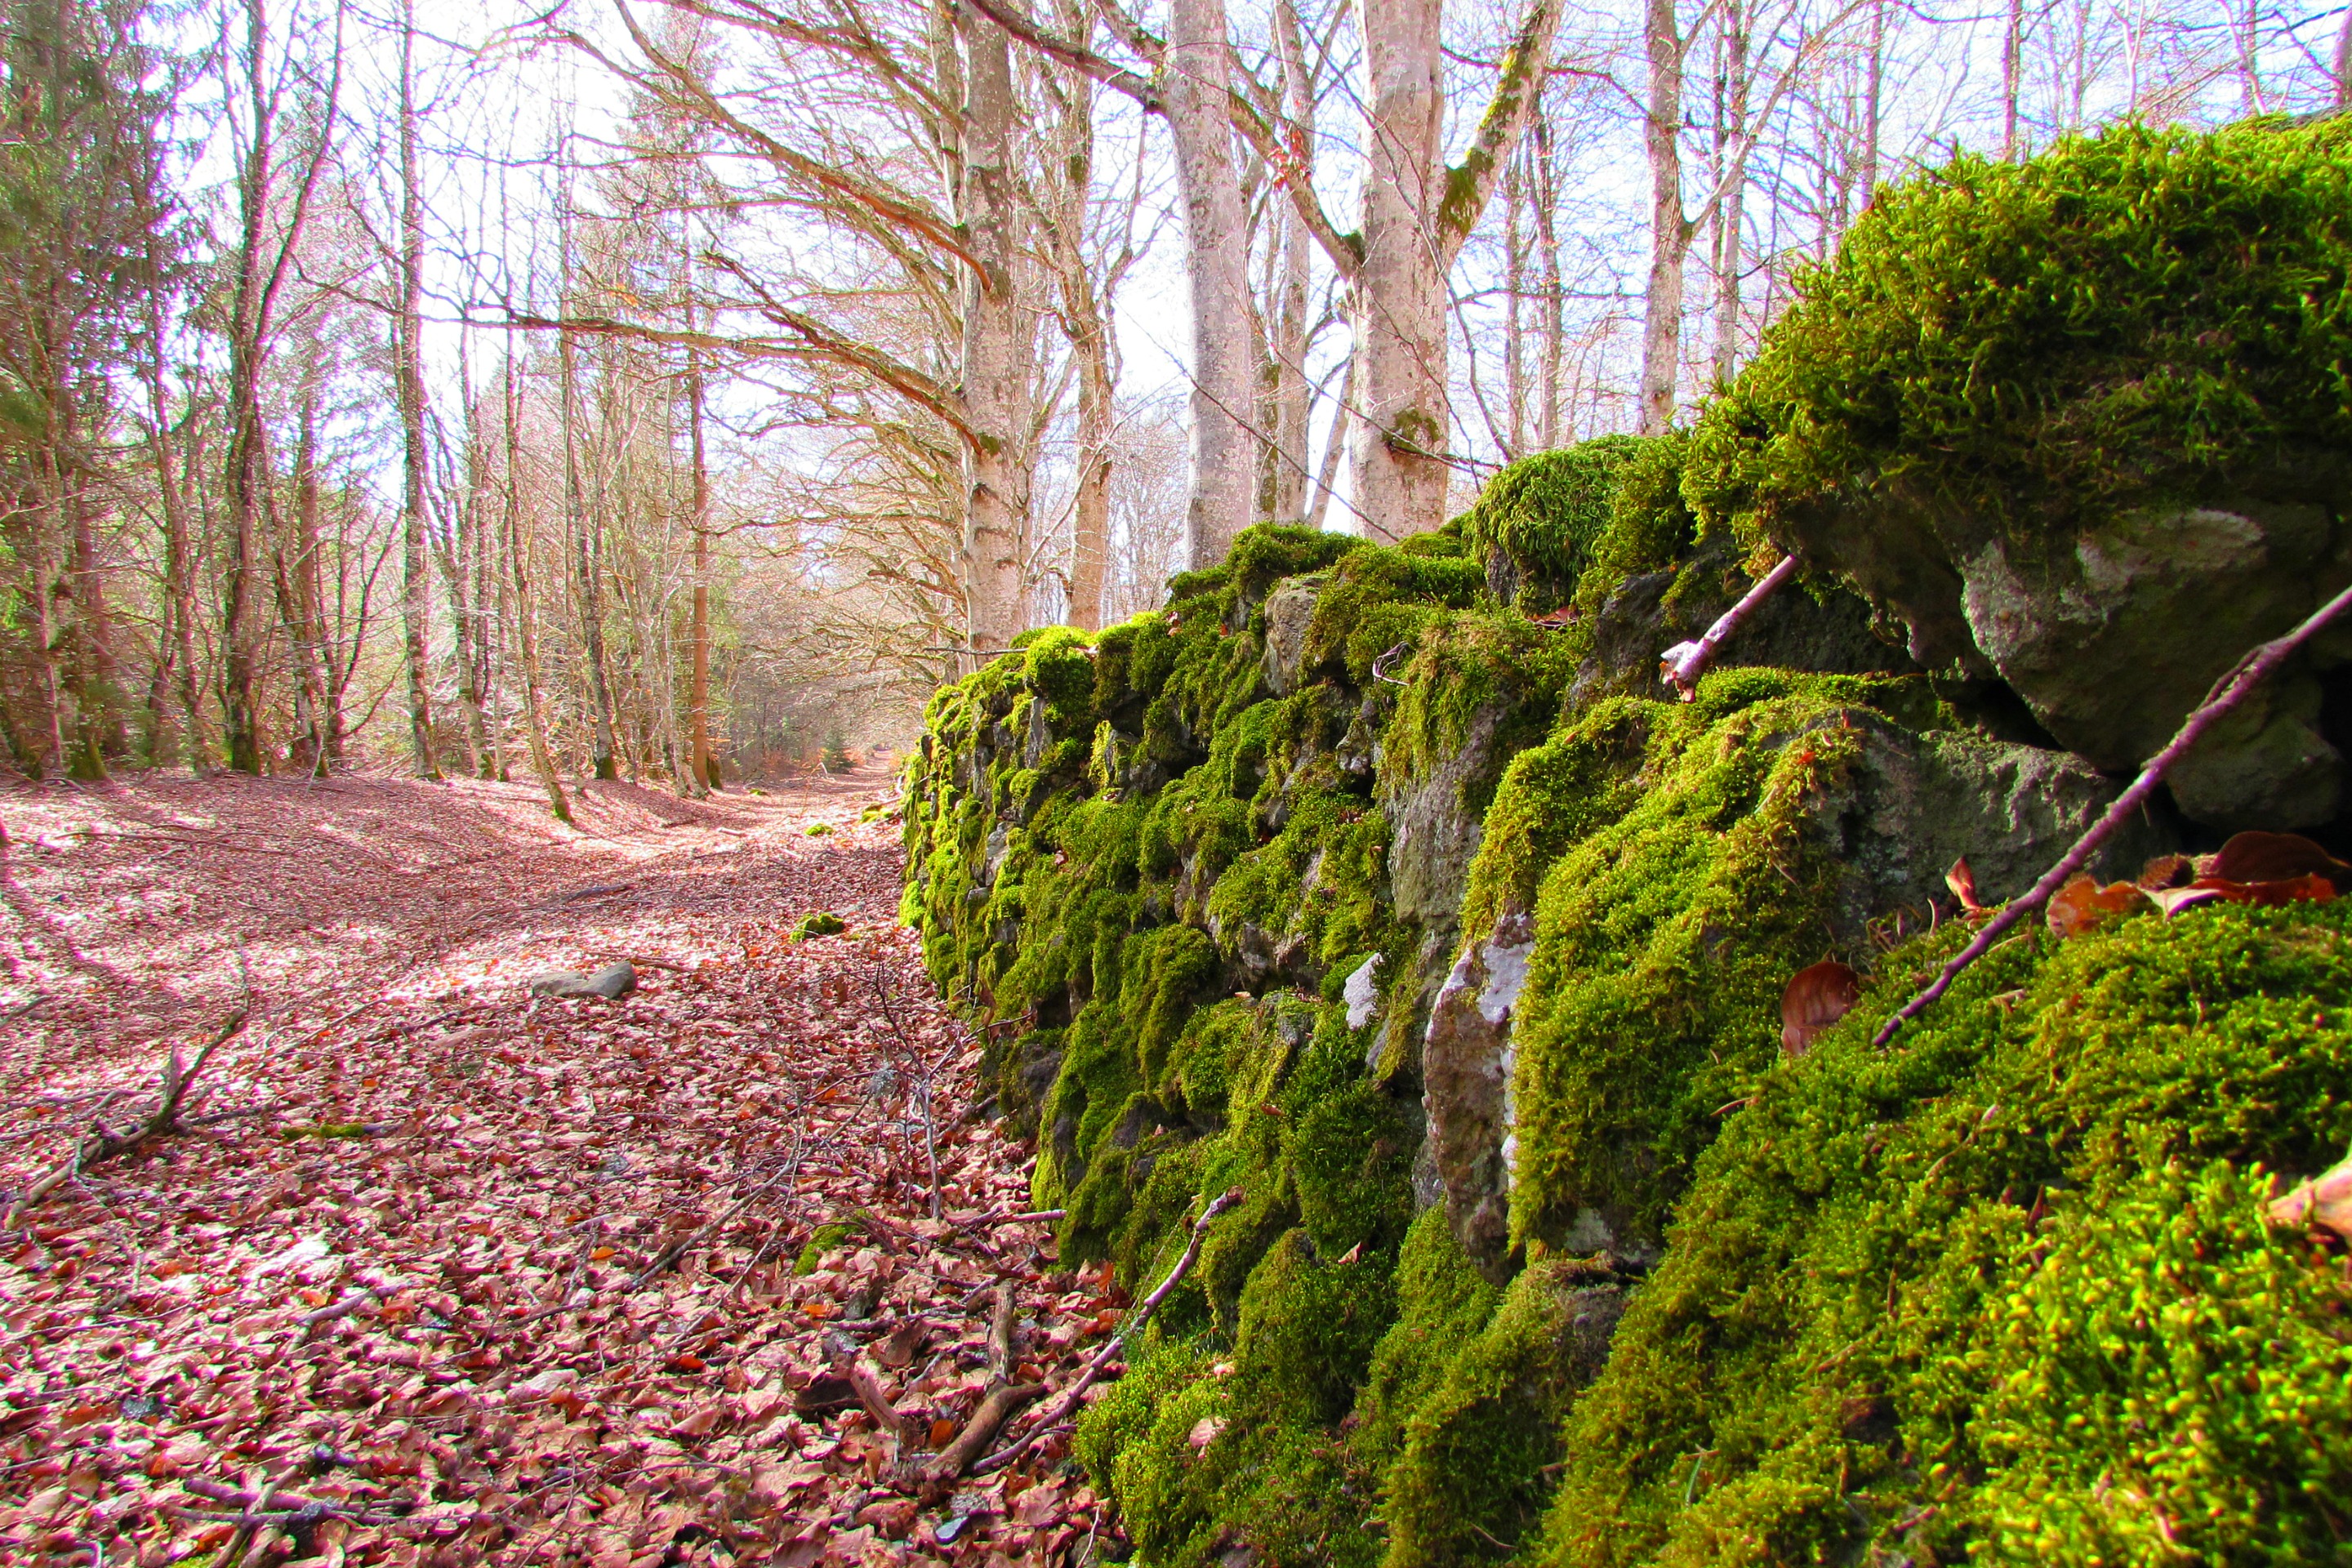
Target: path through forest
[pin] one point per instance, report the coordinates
(453, 1274)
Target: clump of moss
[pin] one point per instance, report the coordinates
(1536, 524)
(1665, 932)
(2126, 317)
(2004, 1289)
(822, 1240)
(823, 923)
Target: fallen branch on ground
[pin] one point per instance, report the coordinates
(2226, 693)
(106, 1144)
(1061, 1408)
(1681, 665)
(1003, 1397)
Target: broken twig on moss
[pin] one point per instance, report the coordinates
(1681, 665)
(2226, 693)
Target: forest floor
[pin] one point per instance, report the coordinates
(435, 1270)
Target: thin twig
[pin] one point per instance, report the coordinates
(1681, 665)
(2226, 694)
(1118, 1342)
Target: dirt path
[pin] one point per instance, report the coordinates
(467, 1276)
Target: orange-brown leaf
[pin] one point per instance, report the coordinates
(1962, 880)
(2325, 1201)
(1815, 998)
(2166, 871)
(2274, 857)
(2081, 904)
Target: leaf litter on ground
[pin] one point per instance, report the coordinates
(438, 1272)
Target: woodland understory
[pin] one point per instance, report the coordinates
(455, 1274)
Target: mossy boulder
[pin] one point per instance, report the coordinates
(2004, 1291)
(2080, 424)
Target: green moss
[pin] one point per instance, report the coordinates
(1665, 935)
(1481, 1447)
(2127, 317)
(1308, 1325)
(822, 1240)
(1536, 524)
(823, 923)
(2002, 1290)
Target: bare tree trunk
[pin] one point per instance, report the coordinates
(582, 527)
(1554, 304)
(526, 618)
(1732, 144)
(703, 764)
(1404, 429)
(2343, 63)
(1293, 394)
(995, 368)
(408, 377)
(1515, 286)
(2012, 51)
(1670, 231)
(1217, 257)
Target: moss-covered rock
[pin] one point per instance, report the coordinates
(2080, 423)
(2004, 1289)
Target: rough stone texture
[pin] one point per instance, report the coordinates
(612, 982)
(1466, 1088)
(1289, 611)
(1914, 805)
(1652, 611)
(2112, 634)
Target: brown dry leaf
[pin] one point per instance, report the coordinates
(525, 1161)
(2172, 900)
(2081, 904)
(1962, 880)
(2274, 857)
(1816, 997)
(2166, 871)
(2325, 1201)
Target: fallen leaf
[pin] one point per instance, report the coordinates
(2081, 904)
(2274, 857)
(2166, 871)
(1815, 998)
(2325, 1201)
(1962, 880)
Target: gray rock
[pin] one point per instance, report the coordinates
(1466, 1066)
(2112, 633)
(1290, 610)
(612, 982)
(1652, 611)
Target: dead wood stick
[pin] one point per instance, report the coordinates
(2226, 694)
(344, 1308)
(1136, 1319)
(1003, 1336)
(107, 1144)
(1682, 664)
(868, 1389)
(982, 1429)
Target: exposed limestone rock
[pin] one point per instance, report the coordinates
(612, 982)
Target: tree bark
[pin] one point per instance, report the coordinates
(1196, 69)
(996, 364)
(408, 379)
(542, 760)
(1670, 231)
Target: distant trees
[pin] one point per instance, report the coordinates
(349, 415)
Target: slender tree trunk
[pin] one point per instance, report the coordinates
(1732, 143)
(2344, 62)
(1554, 304)
(415, 585)
(244, 475)
(703, 764)
(526, 620)
(178, 652)
(996, 349)
(1670, 231)
(1515, 286)
(2012, 56)
(1217, 257)
(1091, 552)
(1293, 394)
(1404, 429)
